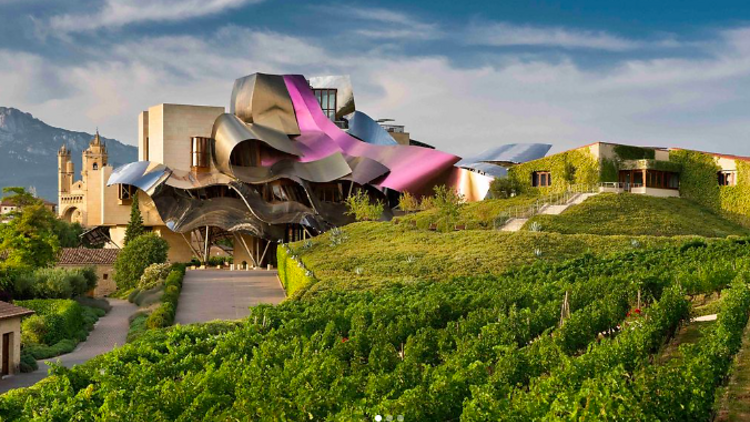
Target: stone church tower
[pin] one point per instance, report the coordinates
(64, 172)
(95, 157)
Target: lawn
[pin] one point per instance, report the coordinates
(630, 214)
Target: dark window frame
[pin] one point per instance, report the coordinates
(541, 179)
(327, 95)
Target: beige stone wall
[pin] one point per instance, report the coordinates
(106, 282)
(179, 250)
(726, 164)
(401, 137)
(240, 254)
(661, 155)
(12, 325)
(660, 193)
(171, 127)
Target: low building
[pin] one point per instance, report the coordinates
(718, 181)
(10, 337)
(102, 260)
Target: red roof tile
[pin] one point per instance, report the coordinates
(85, 256)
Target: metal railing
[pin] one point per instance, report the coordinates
(559, 198)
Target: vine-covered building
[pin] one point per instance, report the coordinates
(719, 181)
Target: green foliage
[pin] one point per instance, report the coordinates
(609, 171)
(54, 283)
(28, 363)
(632, 214)
(447, 202)
(698, 180)
(292, 273)
(138, 254)
(135, 224)
(163, 316)
(504, 187)
(572, 167)
(472, 348)
(628, 152)
(137, 326)
(154, 275)
(474, 215)
(394, 253)
(408, 203)
(735, 200)
(362, 208)
(55, 320)
(29, 240)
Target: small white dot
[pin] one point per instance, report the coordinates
(378, 418)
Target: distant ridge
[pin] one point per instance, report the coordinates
(28, 151)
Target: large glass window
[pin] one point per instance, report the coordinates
(327, 100)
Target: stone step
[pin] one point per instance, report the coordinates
(514, 224)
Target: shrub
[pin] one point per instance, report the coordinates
(28, 363)
(138, 254)
(361, 207)
(54, 283)
(504, 187)
(163, 316)
(55, 319)
(154, 275)
(408, 203)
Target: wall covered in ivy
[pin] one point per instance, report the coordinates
(571, 167)
(699, 183)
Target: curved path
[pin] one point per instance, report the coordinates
(109, 332)
(221, 294)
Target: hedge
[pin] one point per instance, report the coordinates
(163, 316)
(292, 272)
(138, 254)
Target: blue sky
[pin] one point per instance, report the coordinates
(463, 76)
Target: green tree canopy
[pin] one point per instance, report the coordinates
(138, 254)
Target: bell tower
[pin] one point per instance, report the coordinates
(64, 171)
(95, 157)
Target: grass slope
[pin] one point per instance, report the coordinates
(475, 215)
(374, 254)
(630, 214)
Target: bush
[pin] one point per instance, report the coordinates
(362, 208)
(154, 275)
(163, 316)
(138, 254)
(97, 303)
(55, 319)
(28, 363)
(54, 283)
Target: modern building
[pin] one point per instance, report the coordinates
(10, 337)
(278, 167)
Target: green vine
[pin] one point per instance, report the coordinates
(571, 167)
(627, 152)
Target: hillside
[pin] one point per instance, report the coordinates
(374, 255)
(30, 147)
(632, 215)
(480, 348)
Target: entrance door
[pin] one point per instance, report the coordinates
(6, 354)
(625, 180)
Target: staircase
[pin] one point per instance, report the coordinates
(555, 205)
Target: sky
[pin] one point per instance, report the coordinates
(461, 75)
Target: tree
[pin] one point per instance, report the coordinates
(29, 239)
(135, 225)
(138, 254)
(360, 206)
(447, 202)
(408, 203)
(504, 187)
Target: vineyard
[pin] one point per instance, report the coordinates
(581, 339)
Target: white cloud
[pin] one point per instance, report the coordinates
(688, 102)
(500, 34)
(385, 24)
(118, 13)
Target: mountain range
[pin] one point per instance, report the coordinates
(28, 151)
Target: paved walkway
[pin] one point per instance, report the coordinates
(221, 294)
(110, 331)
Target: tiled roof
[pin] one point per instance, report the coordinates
(86, 256)
(8, 310)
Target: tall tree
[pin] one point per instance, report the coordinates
(135, 225)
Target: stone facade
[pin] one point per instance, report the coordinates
(10, 337)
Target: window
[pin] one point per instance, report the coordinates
(327, 100)
(105, 276)
(727, 178)
(541, 179)
(96, 166)
(126, 192)
(200, 153)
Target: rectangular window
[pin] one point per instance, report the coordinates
(327, 100)
(541, 179)
(200, 153)
(126, 192)
(727, 178)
